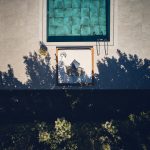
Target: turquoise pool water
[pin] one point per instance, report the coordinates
(76, 18)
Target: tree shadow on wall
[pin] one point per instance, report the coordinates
(126, 72)
(38, 71)
(70, 77)
(9, 81)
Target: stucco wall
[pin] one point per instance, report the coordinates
(22, 26)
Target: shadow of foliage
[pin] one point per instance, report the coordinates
(39, 72)
(8, 80)
(68, 75)
(126, 72)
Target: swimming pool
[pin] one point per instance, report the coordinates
(78, 20)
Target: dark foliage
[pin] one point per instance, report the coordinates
(131, 133)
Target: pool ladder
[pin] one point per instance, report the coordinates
(98, 46)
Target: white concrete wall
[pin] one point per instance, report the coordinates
(22, 26)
